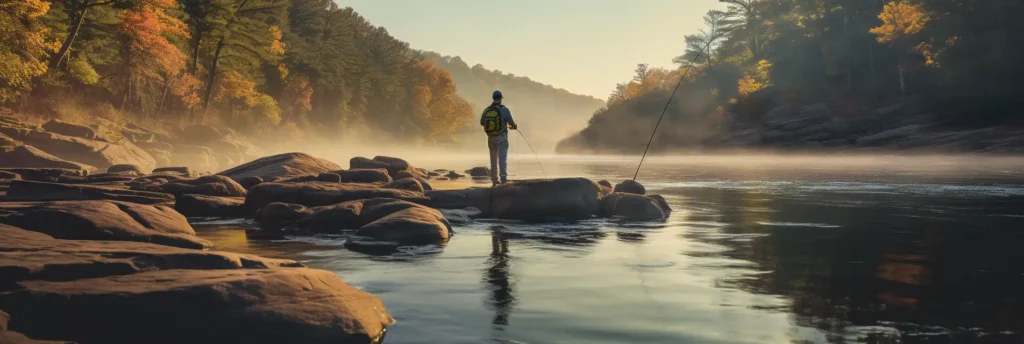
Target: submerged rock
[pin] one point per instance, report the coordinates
(544, 200)
(30, 191)
(210, 206)
(283, 166)
(103, 220)
(635, 207)
(630, 186)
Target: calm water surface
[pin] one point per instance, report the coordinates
(758, 250)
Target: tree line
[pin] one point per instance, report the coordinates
(304, 67)
(548, 112)
(961, 55)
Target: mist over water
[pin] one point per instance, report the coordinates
(758, 249)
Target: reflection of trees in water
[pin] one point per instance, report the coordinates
(887, 265)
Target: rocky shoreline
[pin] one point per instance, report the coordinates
(111, 257)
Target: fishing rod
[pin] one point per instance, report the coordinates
(663, 111)
(534, 152)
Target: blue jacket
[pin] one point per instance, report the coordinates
(506, 116)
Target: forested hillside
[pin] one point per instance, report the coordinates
(546, 113)
(790, 70)
(299, 68)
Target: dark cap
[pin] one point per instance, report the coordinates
(497, 95)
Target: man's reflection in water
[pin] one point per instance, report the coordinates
(496, 277)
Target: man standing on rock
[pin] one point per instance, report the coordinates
(496, 120)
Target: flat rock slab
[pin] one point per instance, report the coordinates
(30, 191)
(281, 166)
(205, 185)
(92, 152)
(103, 220)
(210, 206)
(199, 306)
(312, 194)
(32, 157)
(27, 255)
(479, 198)
(46, 174)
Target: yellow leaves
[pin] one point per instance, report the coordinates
(276, 45)
(282, 68)
(23, 48)
(899, 20)
(234, 85)
(755, 79)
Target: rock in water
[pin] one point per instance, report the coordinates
(205, 185)
(283, 166)
(70, 129)
(312, 194)
(479, 198)
(30, 191)
(377, 175)
(479, 172)
(546, 199)
(630, 186)
(406, 184)
(210, 206)
(277, 214)
(400, 222)
(103, 220)
(196, 306)
(362, 163)
(635, 207)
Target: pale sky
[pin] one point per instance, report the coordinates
(584, 46)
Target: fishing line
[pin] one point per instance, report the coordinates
(534, 152)
(663, 111)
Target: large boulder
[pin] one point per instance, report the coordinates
(406, 184)
(479, 198)
(32, 191)
(630, 186)
(401, 223)
(96, 292)
(377, 175)
(70, 129)
(90, 152)
(548, 199)
(635, 207)
(200, 306)
(206, 185)
(210, 206)
(277, 214)
(364, 163)
(479, 172)
(103, 220)
(46, 174)
(313, 194)
(29, 156)
(281, 166)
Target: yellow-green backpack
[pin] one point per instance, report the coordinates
(493, 124)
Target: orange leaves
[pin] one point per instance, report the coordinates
(899, 20)
(234, 85)
(276, 45)
(149, 53)
(434, 99)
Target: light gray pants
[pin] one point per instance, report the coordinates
(498, 145)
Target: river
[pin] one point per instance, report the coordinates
(759, 249)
